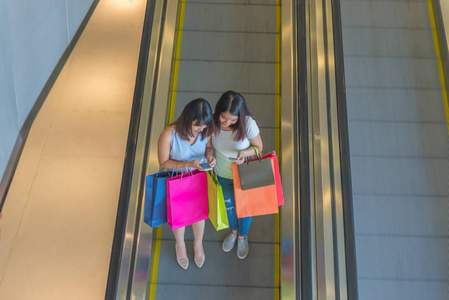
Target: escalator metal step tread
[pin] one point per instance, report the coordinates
(218, 55)
(241, 76)
(221, 46)
(260, 231)
(217, 293)
(245, 18)
(252, 277)
(220, 268)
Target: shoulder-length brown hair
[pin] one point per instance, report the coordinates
(197, 111)
(235, 104)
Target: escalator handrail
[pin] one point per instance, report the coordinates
(304, 251)
(345, 165)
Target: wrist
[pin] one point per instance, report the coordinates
(255, 150)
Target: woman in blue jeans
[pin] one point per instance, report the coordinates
(235, 135)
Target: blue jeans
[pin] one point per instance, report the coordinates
(240, 224)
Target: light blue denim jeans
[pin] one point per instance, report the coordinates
(240, 224)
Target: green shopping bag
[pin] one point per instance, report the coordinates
(217, 208)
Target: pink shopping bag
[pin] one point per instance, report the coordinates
(187, 199)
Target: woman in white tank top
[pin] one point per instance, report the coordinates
(182, 145)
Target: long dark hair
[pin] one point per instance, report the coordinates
(198, 111)
(235, 104)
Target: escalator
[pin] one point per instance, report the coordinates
(268, 52)
(395, 60)
(209, 57)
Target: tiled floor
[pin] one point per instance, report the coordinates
(59, 217)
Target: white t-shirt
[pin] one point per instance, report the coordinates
(225, 146)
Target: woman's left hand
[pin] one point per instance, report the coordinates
(240, 157)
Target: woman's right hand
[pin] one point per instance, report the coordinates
(211, 160)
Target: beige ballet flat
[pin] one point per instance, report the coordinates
(183, 262)
(199, 260)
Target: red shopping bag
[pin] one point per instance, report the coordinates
(262, 200)
(277, 176)
(187, 199)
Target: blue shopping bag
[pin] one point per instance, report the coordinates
(155, 210)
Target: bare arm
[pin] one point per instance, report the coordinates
(256, 142)
(163, 149)
(163, 153)
(210, 152)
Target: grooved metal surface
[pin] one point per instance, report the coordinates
(221, 53)
(399, 150)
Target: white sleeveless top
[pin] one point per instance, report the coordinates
(183, 151)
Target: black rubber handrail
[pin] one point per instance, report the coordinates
(303, 245)
(442, 42)
(345, 164)
(125, 190)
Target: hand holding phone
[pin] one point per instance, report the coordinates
(205, 166)
(236, 160)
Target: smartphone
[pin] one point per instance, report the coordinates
(205, 166)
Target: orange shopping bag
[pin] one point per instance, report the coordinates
(257, 201)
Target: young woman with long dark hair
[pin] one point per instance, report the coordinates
(234, 135)
(182, 145)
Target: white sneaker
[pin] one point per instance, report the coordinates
(229, 242)
(242, 248)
